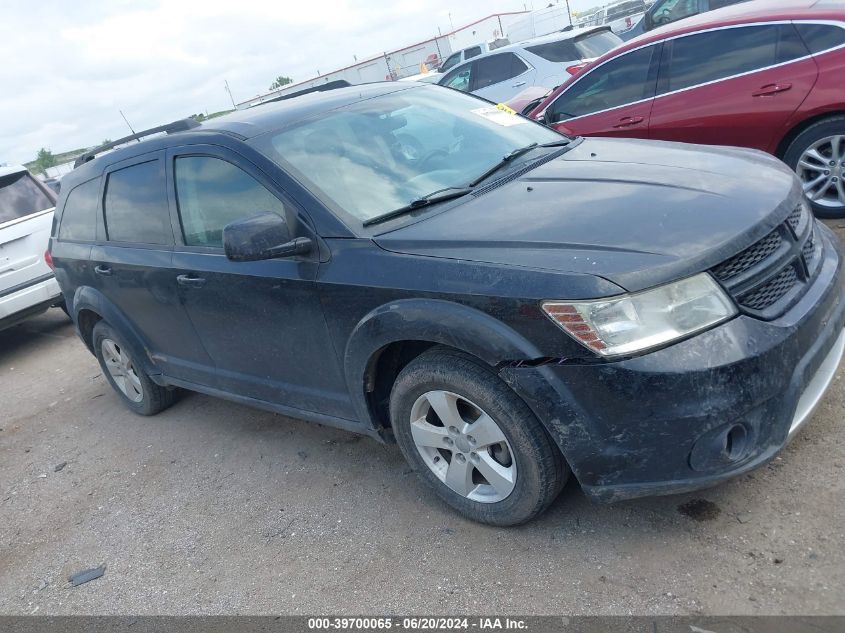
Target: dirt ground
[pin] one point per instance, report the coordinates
(211, 507)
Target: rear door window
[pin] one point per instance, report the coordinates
(618, 82)
(20, 196)
(705, 57)
(79, 218)
(494, 69)
(821, 37)
(212, 193)
(136, 206)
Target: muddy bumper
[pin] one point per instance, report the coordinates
(698, 412)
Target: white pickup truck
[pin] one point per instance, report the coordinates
(27, 284)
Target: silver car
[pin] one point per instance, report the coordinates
(545, 61)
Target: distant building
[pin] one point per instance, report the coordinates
(405, 61)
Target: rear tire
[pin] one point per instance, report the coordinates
(140, 394)
(810, 155)
(473, 440)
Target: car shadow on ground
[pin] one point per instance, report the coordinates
(339, 456)
(15, 341)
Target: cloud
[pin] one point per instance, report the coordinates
(66, 69)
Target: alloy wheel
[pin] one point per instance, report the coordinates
(463, 446)
(120, 368)
(821, 169)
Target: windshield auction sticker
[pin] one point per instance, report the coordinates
(501, 115)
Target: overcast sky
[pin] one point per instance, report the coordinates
(66, 68)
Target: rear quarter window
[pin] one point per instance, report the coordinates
(136, 205)
(821, 37)
(20, 196)
(79, 218)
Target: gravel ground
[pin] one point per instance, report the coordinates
(211, 507)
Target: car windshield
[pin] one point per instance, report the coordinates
(597, 44)
(377, 155)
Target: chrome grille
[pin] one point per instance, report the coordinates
(762, 277)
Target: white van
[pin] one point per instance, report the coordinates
(27, 283)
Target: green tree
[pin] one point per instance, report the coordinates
(44, 160)
(280, 81)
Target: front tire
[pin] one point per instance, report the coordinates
(818, 157)
(473, 440)
(140, 394)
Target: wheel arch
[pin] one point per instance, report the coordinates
(392, 335)
(90, 307)
(800, 127)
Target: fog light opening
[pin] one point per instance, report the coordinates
(736, 440)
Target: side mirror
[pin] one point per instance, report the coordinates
(262, 236)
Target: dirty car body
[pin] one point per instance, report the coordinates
(497, 272)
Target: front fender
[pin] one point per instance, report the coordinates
(433, 321)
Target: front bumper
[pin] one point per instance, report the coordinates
(698, 412)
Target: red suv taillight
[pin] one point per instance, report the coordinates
(576, 68)
(48, 259)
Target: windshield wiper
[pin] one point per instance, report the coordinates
(441, 195)
(507, 158)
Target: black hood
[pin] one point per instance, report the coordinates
(638, 213)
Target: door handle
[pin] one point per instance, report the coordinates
(518, 84)
(190, 281)
(771, 89)
(105, 271)
(628, 121)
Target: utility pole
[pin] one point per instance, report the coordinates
(568, 13)
(229, 90)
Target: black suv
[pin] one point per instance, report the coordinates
(511, 305)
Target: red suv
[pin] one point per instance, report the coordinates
(767, 74)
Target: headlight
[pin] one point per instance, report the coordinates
(631, 323)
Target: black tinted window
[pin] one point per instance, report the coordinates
(79, 219)
(562, 51)
(596, 44)
(715, 55)
(821, 37)
(20, 196)
(136, 207)
(620, 81)
(496, 68)
(472, 52)
(213, 193)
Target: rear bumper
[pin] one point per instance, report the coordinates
(699, 412)
(21, 302)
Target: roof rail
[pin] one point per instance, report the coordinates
(177, 126)
(331, 85)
